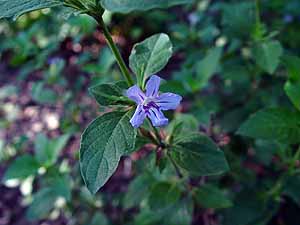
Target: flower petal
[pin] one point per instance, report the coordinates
(138, 117)
(152, 86)
(135, 94)
(167, 101)
(157, 117)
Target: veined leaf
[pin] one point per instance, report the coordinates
(198, 155)
(267, 55)
(273, 124)
(150, 56)
(209, 196)
(109, 94)
(126, 6)
(102, 144)
(15, 8)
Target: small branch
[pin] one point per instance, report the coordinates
(114, 49)
(178, 172)
(257, 11)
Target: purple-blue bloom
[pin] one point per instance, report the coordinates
(151, 104)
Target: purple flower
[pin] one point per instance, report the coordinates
(151, 104)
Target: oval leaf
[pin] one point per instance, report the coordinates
(102, 144)
(198, 155)
(267, 55)
(15, 8)
(127, 6)
(150, 56)
(273, 124)
(109, 94)
(209, 196)
(21, 168)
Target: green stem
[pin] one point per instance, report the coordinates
(292, 164)
(179, 174)
(156, 133)
(114, 49)
(257, 10)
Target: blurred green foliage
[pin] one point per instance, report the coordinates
(236, 63)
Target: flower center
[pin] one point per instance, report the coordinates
(149, 103)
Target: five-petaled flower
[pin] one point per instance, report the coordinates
(151, 104)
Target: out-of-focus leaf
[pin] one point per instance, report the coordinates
(234, 23)
(291, 188)
(48, 150)
(292, 86)
(99, 219)
(209, 196)
(208, 66)
(21, 168)
(273, 124)
(55, 186)
(138, 190)
(267, 55)
(43, 95)
(42, 204)
(163, 194)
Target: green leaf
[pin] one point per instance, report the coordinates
(102, 144)
(138, 189)
(43, 95)
(55, 186)
(150, 56)
(179, 213)
(267, 55)
(236, 25)
(292, 86)
(181, 124)
(15, 8)
(99, 219)
(46, 150)
(292, 90)
(21, 168)
(246, 210)
(273, 124)
(208, 66)
(198, 155)
(163, 195)
(126, 6)
(109, 94)
(43, 202)
(209, 196)
(292, 64)
(291, 188)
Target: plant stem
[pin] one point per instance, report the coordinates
(114, 49)
(156, 133)
(179, 174)
(257, 11)
(293, 161)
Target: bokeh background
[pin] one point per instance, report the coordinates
(49, 59)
